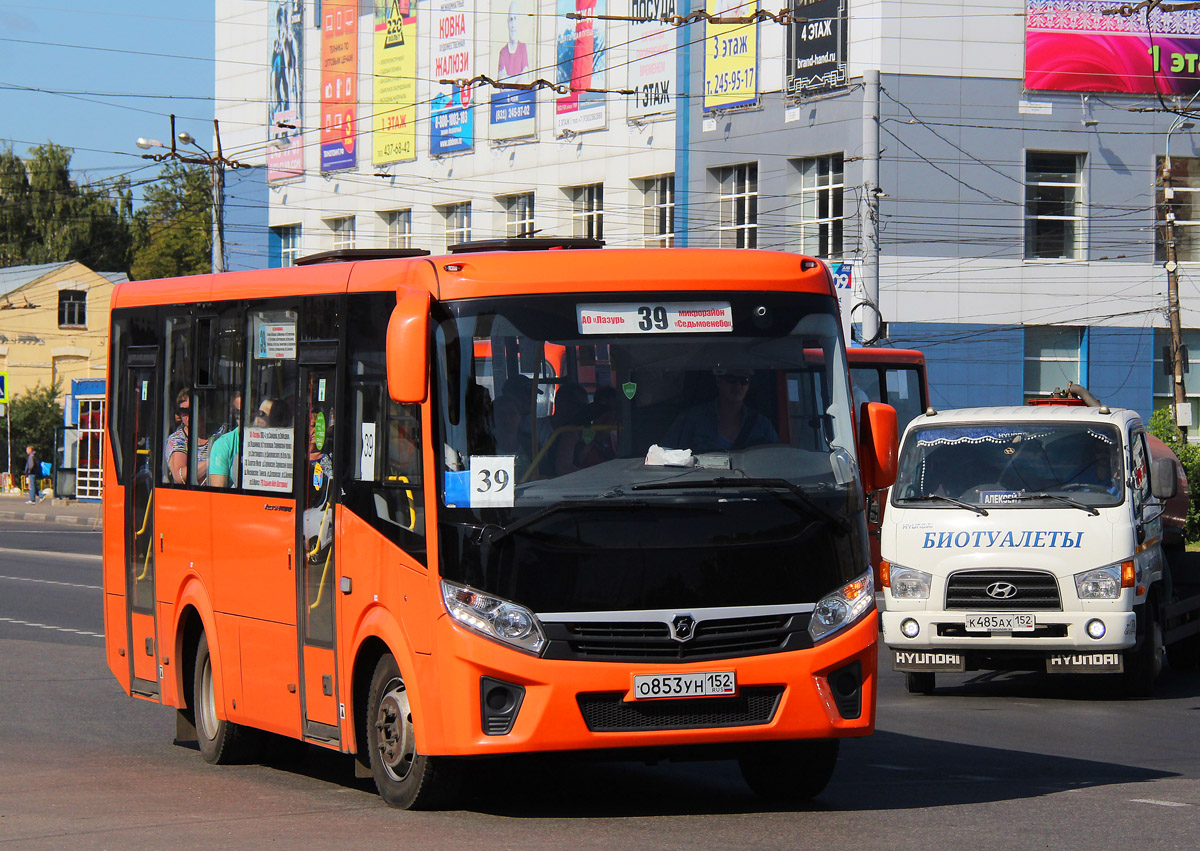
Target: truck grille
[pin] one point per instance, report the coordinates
(611, 713)
(1035, 591)
(719, 638)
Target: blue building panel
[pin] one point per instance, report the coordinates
(1121, 367)
(967, 365)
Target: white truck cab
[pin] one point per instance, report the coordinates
(1026, 538)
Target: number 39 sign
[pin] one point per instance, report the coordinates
(492, 481)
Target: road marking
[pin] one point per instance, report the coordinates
(50, 582)
(1158, 803)
(82, 632)
(81, 556)
(58, 532)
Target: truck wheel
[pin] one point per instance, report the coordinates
(221, 742)
(405, 779)
(920, 682)
(1144, 664)
(789, 771)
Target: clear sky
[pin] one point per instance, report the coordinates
(94, 75)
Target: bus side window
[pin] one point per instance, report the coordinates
(225, 401)
(268, 415)
(178, 424)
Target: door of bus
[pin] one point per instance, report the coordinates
(316, 494)
(141, 401)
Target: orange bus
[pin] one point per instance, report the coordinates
(321, 523)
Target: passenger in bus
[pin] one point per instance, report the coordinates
(598, 442)
(480, 440)
(561, 430)
(506, 428)
(177, 443)
(725, 423)
(223, 457)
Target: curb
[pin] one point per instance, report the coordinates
(94, 523)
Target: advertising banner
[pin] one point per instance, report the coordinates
(452, 42)
(1072, 46)
(339, 83)
(580, 61)
(394, 123)
(651, 59)
(285, 150)
(816, 59)
(513, 113)
(730, 56)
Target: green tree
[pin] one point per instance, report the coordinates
(46, 217)
(1162, 426)
(35, 414)
(173, 228)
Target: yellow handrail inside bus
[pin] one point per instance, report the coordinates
(139, 533)
(533, 465)
(324, 573)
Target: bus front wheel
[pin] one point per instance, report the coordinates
(789, 771)
(221, 742)
(405, 778)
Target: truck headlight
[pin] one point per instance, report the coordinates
(1103, 583)
(845, 606)
(493, 617)
(909, 584)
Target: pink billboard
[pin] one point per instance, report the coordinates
(1072, 46)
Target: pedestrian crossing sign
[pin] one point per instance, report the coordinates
(3, 388)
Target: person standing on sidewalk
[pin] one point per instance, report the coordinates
(33, 470)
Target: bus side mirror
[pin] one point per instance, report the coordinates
(407, 348)
(878, 443)
(1163, 483)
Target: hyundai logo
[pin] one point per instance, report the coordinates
(1002, 590)
(683, 627)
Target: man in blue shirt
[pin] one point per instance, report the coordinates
(725, 423)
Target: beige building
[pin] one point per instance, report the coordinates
(54, 327)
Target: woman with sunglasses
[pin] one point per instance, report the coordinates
(177, 443)
(725, 423)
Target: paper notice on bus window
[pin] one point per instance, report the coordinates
(366, 456)
(267, 460)
(655, 318)
(493, 478)
(274, 340)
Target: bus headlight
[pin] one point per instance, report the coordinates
(909, 584)
(1103, 583)
(493, 617)
(836, 611)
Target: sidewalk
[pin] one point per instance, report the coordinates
(69, 512)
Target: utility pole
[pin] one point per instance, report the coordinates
(1172, 267)
(869, 209)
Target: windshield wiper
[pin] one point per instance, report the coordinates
(1065, 500)
(494, 532)
(983, 512)
(842, 524)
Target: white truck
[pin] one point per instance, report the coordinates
(1030, 538)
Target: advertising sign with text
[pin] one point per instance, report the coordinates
(339, 83)
(285, 150)
(451, 117)
(817, 47)
(730, 56)
(394, 123)
(513, 113)
(651, 59)
(580, 62)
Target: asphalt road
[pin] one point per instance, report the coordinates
(1014, 761)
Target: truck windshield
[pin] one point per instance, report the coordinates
(592, 421)
(1011, 464)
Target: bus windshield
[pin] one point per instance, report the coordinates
(659, 415)
(1010, 464)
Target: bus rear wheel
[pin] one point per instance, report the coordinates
(405, 778)
(789, 771)
(221, 742)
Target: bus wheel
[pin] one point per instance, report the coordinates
(920, 682)
(789, 771)
(221, 742)
(405, 779)
(1143, 665)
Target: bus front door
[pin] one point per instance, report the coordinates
(316, 494)
(142, 381)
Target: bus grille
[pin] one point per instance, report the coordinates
(611, 713)
(651, 640)
(1035, 591)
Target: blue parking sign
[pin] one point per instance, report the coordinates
(3, 388)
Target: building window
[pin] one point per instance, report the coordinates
(1051, 358)
(1164, 376)
(1053, 206)
(458, 223)
(289, 244)
(519, 215)
(72, 308)
(89, 449)
(343, 232)
(659, 207)
(587, 211)
(1185, 184)
(738, 225)
(821, 213)
(399, 229)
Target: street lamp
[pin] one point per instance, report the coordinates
(216, 164)
(1179, 395)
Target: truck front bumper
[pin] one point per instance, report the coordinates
(1057, 632)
